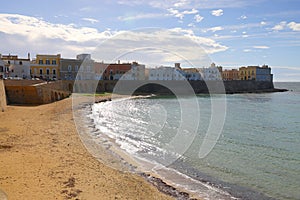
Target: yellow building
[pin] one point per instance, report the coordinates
(247, 73)
(46, 67)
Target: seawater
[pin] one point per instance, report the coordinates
(257, 155)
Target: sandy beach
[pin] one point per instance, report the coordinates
(42, 157)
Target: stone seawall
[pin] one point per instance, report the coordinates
(2, 97)
(28, 92)
(163, 87)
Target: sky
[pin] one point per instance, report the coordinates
(230, 33)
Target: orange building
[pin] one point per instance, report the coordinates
(113, 71)
(229, 75)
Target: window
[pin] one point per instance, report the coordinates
(35, 71)
(53, 62)
(54, 71)
(41, 71)
(76, 68)
(47, 62)
(20, 63)
(48, 71)
(69, 68)
(41, 62)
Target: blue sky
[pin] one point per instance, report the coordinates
(233, 33)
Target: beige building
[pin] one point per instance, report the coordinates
(12, 66)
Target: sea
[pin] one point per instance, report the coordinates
(251, 143)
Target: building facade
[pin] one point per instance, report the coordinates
(264, 73)
(86, 70)
(192, 74)
(166, 73)
(229, 75)
(46, 67)
(69, 68)
(211, 73)
(137, 72)
(120, 71)
(15, 67)
(256, 73)
(2, 69)
(247, 73)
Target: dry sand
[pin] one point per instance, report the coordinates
(42, 157)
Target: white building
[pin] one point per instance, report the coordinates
(137, 72)
(2, 69)
(164, 73)
(211, 73)
(15, 67)
(86, 70)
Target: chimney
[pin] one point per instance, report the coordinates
(28, 55)
(119, 62)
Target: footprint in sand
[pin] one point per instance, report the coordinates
(2, 195)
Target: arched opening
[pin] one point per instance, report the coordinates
(70, 87)
(56, 96)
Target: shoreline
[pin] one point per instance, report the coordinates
(124, 160)
(42, 157)
(156, 178)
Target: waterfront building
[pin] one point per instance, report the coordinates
(229, 75)
(264, 73)
(212, 73)
(166, 73)
(2, 69)
(119, 71)
(113, 71)
(46, 67)
(86, 70)
(14, 67)
(192, 74)
(137, 72)
(255, 73)
(247, 73)
(69, 68)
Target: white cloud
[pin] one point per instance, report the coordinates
(191, 25)
(36, 28)
(141, 16)
(279, 26)
(181, 14)
(189, 12)
(247, 50)
(243, 17)
(198, 18)
(189, 4)
(181, 3)
(92, 20)
(216, 28)
(176, 13)
(160, 46)
(261, 47)
(21, 32)
(217, 13)
(294, 26)
(263, 23)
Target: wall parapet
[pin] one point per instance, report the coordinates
(2, 97)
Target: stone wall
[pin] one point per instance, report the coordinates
(36, 93)
(2, 97)
(161, 87)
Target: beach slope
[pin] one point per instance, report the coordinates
(42, 157)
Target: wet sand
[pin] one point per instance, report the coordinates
(42, 157)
